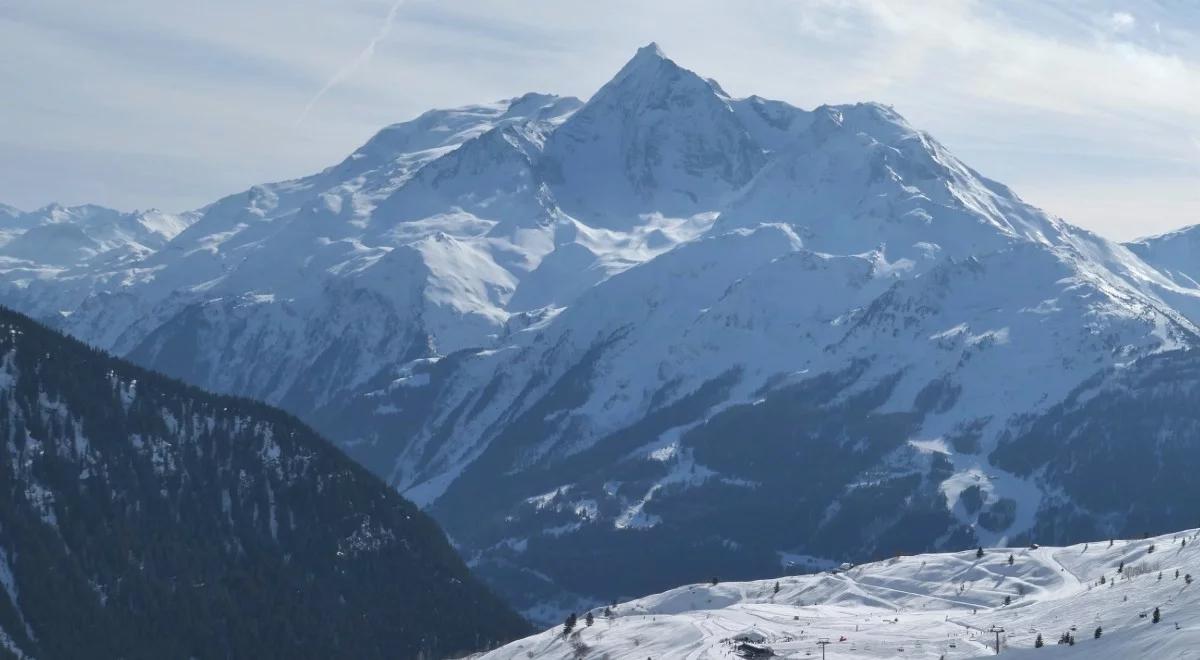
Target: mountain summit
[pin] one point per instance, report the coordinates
(686, 333)
(656, 139)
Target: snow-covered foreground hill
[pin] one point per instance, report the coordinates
(923, 606)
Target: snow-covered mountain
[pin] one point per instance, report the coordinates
(64, 237)
(1176, 254)
(1104, 594)
(53, 258)
(7, 212)
(651, 326)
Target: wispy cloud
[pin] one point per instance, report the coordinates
(1122, 21)
(364, 56)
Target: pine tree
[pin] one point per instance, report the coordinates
(1099, 631)
(1121, 567)
(979, 553)
(589, 619)
(569, 624)
(713, 581)
(776, 587)
(1157, 616)
(1038, 643)
(1008, 600)
(1010, 560)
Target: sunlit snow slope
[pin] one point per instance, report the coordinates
(923, 606)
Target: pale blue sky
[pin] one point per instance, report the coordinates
(1089, 108)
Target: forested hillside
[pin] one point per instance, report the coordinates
(144, 518)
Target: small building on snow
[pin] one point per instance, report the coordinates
(752, 635)
(750, 650)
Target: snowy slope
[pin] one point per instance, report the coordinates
(1176, 254)
(923, 606)
(656, 139)
(651, 323)
(323, 275)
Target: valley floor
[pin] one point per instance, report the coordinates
(924, 606)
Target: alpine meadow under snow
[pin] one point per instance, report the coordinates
(1109, 600)
(618, 345)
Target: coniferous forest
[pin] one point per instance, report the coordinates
(144, 518)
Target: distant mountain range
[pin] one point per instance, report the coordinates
(618, 345)
(144, 518)
(80, 236)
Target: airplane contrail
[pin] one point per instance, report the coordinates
(353, 65)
